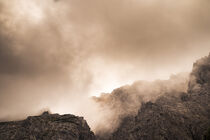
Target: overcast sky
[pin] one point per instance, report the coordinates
(54, 53)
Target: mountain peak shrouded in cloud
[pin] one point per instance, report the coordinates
(56, 55)
(126, 101)
(171, 115)
(177, 108)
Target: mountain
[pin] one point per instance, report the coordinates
(173, 115)
(174, 109)
(47, 127)
(127, 100)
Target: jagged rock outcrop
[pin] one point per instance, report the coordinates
(47, 127)
(173, 117)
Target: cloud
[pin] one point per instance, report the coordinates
(54, 54)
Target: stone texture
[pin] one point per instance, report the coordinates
(47, 127)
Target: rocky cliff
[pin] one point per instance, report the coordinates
(47, 127)
(183, 116)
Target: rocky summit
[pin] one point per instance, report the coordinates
(47, 127)
(185, 116)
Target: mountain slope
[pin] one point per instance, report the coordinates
(172, 117)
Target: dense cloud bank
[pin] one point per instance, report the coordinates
(54, 53)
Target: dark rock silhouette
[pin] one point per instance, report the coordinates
(47, 127)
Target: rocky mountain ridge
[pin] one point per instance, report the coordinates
(183, 116)
(47, 127)
(169, 115)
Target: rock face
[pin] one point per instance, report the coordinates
(172, 117)
(47, 127)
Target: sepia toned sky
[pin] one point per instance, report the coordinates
(54, 54)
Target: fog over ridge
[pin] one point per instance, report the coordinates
(56, 55)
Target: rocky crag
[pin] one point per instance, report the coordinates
(47, 127)
(183, 116)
